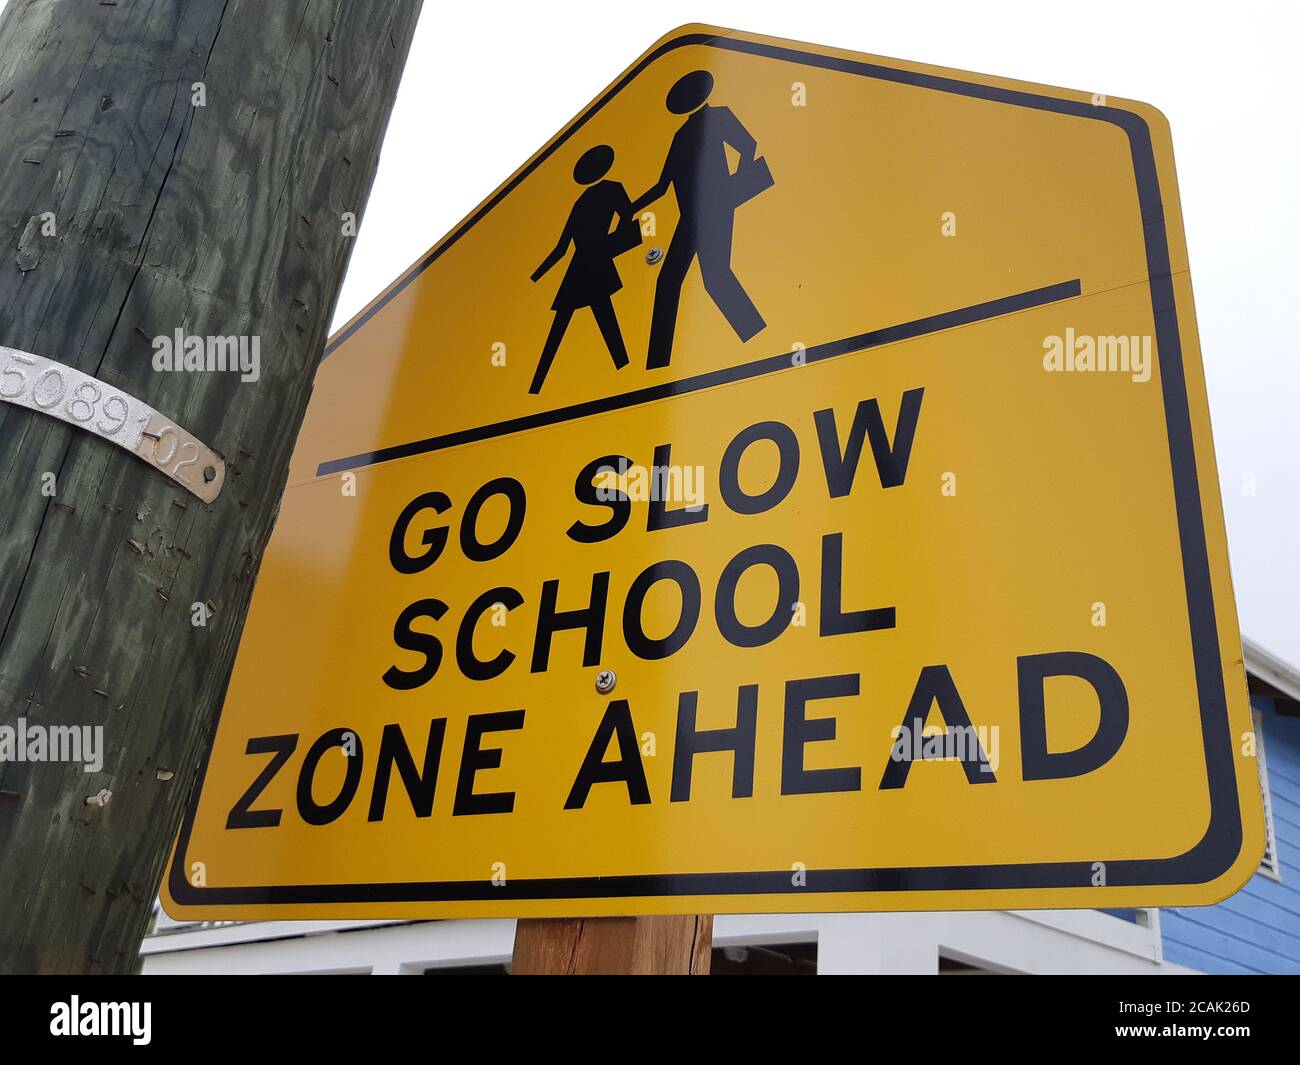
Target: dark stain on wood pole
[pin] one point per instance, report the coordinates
(219, 214)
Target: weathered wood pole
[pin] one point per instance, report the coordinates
(613, 946)
(166, 165)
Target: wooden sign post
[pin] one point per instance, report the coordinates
(610, 946)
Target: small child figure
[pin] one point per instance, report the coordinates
(591, 278)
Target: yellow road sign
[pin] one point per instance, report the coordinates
(792, 490)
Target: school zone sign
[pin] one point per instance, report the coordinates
(739, 550)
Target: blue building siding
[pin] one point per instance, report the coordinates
(1257, 930)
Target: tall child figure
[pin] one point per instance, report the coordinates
(707, 195)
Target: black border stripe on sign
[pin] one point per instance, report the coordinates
(727, 375)
(1208, 859)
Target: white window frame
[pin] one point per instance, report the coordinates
(1269, 864)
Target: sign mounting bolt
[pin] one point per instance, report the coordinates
(605, 681)
(653, 256)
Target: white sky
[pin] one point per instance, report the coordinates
(488, 83)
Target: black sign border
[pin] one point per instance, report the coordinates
(1208, 859)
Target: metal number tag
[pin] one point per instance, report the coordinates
(50, 387)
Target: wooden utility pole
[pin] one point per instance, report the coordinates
(192, 165)
(633, 946)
